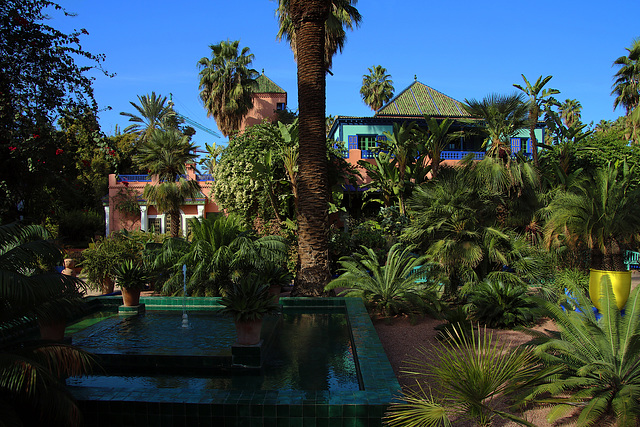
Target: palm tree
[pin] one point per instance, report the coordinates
(626, 87)
(166, 155)
(342, 14)
(31, 392)
(503, 116)
(308, 18)
(152, 114)
(601, 212)
(570, 112)
(226, 84)
(538, 97)
(403, 148)
(437, 138)
(377, 87)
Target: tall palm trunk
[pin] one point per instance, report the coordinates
(535, 113)
(174, 218)
(309, 17)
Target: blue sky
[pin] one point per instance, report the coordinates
(465, 49)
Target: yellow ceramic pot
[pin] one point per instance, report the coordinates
(620, 280)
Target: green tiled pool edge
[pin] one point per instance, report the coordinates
(276, 408)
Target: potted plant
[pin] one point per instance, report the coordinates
(248, 300)
(132, 277)
(103, 255)
(600, 211)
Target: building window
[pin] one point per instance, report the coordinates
(281, 106)
(154, 225)
(367, 142)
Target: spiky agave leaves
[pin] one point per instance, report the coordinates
(473, 372)
(596, 363)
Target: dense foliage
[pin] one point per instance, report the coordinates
(43, 73)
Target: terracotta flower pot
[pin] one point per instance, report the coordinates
(275, 291)
(107, 285)
(130, 297)
(248, 332)
(52, 330)
(620, 281)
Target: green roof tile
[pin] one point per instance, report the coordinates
(419, 99)
(266, 85)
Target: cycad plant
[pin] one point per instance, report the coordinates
(391, 288)
(499, 304)
(474, 373)
(220, 249)
(595, 363)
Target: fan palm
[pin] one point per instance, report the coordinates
(152, 114)
(227, 84)
(390, 288)
(446, 222)
(31, 392)
(166, 155)
(503, 117)
(377, 87)
(342, 14)
(570, 112)
(538, 97)
(474, 374)
(626, 87)
(594, 365)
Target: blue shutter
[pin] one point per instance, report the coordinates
(529, 146)
(515, 145)
(352, 142)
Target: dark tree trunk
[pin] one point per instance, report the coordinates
(309, 18)
(533, 120)
(174, 218)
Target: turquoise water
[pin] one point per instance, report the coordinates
(305, 351)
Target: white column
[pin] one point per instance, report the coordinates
(144, 218)
(201, 211)
(106, 220)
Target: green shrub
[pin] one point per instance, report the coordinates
(80, 226)
(499, 304)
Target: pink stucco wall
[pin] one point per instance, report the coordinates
(119, 220)
(264, 107)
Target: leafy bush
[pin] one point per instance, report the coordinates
(389, 288)
(80, 226)
(499, 304)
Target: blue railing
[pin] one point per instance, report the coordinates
(367, 154)
(133, 178)
(459, 155)
(632, 260)
(204, 177)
